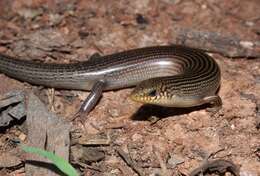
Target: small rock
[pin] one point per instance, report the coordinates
(113, 112)
(84, 154)
(22, 137)
(136, 137)
(29, 13)
(174, 160)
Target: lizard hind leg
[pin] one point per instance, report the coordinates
(215, 103)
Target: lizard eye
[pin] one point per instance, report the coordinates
(152, 93)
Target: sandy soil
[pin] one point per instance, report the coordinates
(67, 31)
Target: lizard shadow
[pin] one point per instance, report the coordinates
(146, 111)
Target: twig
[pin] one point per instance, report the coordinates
(129, 162)
(162, 164)
(216, 166)
(230, 46)
(84, 165)
(219, 165)
(214, 153)
(51, 96)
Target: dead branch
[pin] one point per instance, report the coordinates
(227, 45)
(129, 162)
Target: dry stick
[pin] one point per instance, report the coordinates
(129, 162)
(219, 165)
(83, 165)
(51, 96)
(162, 164)
(227, 45)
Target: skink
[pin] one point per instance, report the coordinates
(172, 76)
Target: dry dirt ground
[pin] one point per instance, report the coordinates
(69, 30)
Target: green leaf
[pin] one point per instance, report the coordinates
(59, 162)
